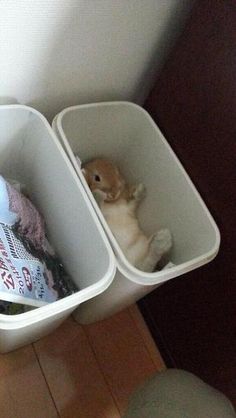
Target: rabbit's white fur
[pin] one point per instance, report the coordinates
(119, 203)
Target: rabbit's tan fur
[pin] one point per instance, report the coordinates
(118, 203)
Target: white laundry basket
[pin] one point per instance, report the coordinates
(31, 153)
(126, 133)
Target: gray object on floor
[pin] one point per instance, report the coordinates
(178, 394)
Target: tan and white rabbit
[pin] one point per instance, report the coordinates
(118, 203)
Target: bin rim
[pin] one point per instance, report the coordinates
(61, 305)
(126, 268)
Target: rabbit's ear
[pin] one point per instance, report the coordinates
(85, 173)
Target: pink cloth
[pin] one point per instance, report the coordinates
(30, 222)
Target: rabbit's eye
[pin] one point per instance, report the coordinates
(97, 178)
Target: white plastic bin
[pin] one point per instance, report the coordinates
(31, 154)
(126, 133)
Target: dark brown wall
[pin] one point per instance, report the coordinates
(194, 104)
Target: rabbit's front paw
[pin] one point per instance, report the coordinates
(139, 192)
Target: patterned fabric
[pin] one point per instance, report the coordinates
(30, 272)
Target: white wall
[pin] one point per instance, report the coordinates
(55, 53)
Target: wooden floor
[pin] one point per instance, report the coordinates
(79, 372)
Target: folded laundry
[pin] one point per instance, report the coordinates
(30, 272)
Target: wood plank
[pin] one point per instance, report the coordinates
(146, 337)
(75, 380)
(122, 355)
(23, 390)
